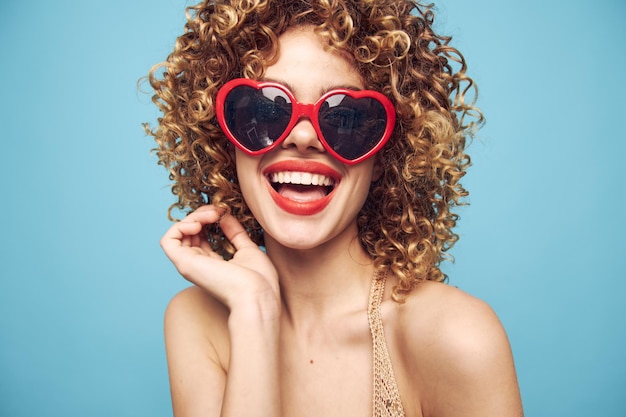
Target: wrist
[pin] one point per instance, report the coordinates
(259, 310)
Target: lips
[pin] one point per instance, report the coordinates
(301, 187)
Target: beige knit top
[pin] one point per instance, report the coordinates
(386, 398)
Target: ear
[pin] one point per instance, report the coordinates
(377, 170)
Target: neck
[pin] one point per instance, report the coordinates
(323, 282)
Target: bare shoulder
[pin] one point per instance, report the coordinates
(194, 317)
(455, 352)
(193, 300)
(197, 346)
(455, 321)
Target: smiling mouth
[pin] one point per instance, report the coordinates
(301, 186)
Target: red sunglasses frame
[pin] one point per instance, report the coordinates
(309, 111)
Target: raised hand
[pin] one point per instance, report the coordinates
(248, 274)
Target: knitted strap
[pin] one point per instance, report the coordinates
(386, 398)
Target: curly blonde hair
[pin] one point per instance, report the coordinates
(406, 223)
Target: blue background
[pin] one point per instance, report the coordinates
(83, 282)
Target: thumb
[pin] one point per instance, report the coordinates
(235, 233)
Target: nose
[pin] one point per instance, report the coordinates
(303, 137)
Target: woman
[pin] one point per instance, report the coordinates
(331, 134)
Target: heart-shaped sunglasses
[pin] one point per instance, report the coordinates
(257, 116)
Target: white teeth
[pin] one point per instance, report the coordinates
(302, 178)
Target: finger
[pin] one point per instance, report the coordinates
(235, 233)
(194, 240)
(181, 229)
(206, 214)
(193, 223)
(185, 241)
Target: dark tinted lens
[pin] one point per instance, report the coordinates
(257, 118)
(352, 127)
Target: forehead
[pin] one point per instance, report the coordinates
(307, 64)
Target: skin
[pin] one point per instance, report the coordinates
(286, 333)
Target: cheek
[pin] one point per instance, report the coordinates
(245, 173)
(367, 171)
(364, 175)
(251, 183)
(245, 165)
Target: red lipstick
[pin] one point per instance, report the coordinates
(301, 208)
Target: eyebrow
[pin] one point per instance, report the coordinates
(322, 92)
